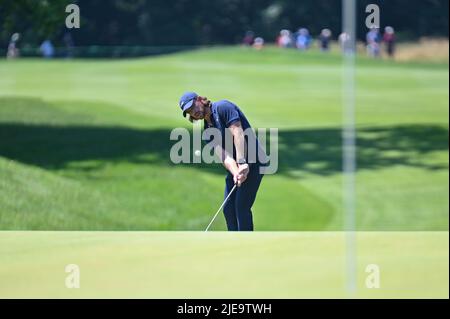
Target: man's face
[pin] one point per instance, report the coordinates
(199, 109)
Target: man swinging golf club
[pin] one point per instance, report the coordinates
(244, 177)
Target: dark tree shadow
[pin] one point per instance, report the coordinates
(316, 151)
(319, 151)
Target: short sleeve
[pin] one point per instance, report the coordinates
(228, 112)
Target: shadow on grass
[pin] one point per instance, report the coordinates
(316, 151)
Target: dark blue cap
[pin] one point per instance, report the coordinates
(186, 100)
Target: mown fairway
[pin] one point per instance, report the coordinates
(84, 145)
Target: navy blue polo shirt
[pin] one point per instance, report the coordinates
(223, 114)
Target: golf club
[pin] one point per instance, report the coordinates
(221, 206)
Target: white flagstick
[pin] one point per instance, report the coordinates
(220, 208)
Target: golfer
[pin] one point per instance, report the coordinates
(224, 115)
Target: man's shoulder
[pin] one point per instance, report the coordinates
(225, 106)
(224, 103)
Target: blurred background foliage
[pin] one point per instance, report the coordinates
(205, 22)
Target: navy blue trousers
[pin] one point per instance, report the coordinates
(238, 209)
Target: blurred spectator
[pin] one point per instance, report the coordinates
(345, 42)
(68, 42)
(47, 49)
(325, 38)
(303, 39)
(248, 38)
(284, 39)
(373, 42)
(389, 40)
(258, 44)
(13, 51)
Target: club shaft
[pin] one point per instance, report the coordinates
(221, 206)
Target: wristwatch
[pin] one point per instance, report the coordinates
(241, 161)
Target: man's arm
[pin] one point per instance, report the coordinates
(238, 138)
(239, 144)
(230, 164)
(229, 113)
(227, 160)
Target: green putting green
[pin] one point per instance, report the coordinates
(221, 265)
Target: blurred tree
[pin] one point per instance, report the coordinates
(193, 22)
(35, 20)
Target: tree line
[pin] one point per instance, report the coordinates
(203, 22)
